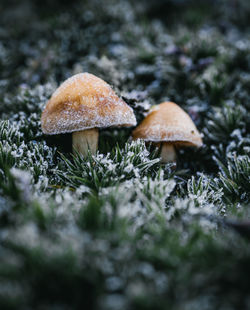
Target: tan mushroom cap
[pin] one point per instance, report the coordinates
(82, 102)
(167, 122)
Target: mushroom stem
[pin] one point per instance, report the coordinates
(168, 153)
(85, 140)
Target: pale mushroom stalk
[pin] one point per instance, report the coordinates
(85, 141)
(168, 153)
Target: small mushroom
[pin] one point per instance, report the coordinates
(81, 105)
(168, 126)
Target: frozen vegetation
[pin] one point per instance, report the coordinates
(119, 230)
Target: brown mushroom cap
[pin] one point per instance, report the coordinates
(82, 102)
(167, 122)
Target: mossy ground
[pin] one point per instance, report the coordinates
(119, 230)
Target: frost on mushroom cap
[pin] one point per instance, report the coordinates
(167, 122)
(82, 102)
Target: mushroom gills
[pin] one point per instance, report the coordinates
(168, 153)
(85, 140)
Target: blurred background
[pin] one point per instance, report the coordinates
(53, 39)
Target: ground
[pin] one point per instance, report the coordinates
(119, 230)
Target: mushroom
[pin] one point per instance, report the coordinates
(81, 105)
(168, 126)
